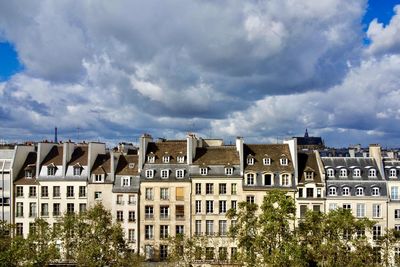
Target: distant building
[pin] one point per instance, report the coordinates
(309, 142)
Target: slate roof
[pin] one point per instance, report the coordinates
(30, 163)
(307, 161)
(127, 165)
(102, 164)
(172, 148)
(351, 163)
(218, 155)
(54, 156)
(389, 165)
(273, 151)
(80, 155)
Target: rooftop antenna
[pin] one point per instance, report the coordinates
(55, 135)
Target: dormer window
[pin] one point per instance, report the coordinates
(164, 174)
(125, 181)
(51, 170)
(149, 173)
(180, 174)
(393, 173)
(375, 191)
(266, 161)
(332, 191)
(229, 171)
(357, 173)
(28, 174)
(359, 191)
(309, 175)
(151, 158)
(343, 173)
(98, 178)
(181, 159)
(284, 161)
(250, 161)
(331, 173)
(372, 173)
(285, 180)
(203, 171)
(250, 179)
(346, 191)
(131, 165)
(77, 170)
(165, 159)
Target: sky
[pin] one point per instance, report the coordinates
(262, 69)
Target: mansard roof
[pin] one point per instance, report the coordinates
(127, 165)
(80, 155)
(102, 164)
(54, 156)
(171, 148)
(308, 162)
(351, 163)
(30, 163)
(216, 155)
(273, 151)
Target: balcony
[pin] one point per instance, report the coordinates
(149, 216)
(164, 217)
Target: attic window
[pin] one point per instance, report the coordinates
(266, 161)
(203, 171)
(165, 159)
(181, 159)
(393, 173)
(98, 178)
(284, 161)
(309, 175)
(250, 161)
(331, 173)
(149, 173)
(180, 174)
(126, 181)
(343, 173)
(150, 158)
(77, 171)
(131, 165)
(229, 171)
(164, 174)
(372, 173)
(28, 174)
(357, 173)
(51, 170)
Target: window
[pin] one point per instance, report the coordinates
(20, 209)
(360, 212)
(394, 193)
(222, 189)
(319, 192)
(397, 213)
(209, 253)
(234, 253)
(148, 212)
(166, 159)
(309, 175)
(222, 228)
(209, 227)
(376, 210)
(233, 189)
(164, 174)
(198, 189)
(376, 232)
(397, 256)
(331, 173)
(179, 229)
(148, 194)
(164, 231)
(44, 191)
(125, 181)
(28, 174)
(209, 188)
(267, 179)
(250, 161)
(131, 216)
(164, 193)
(303, 210)
(164, 212)
(375, 191)
(360, 232)
(181, 159)
(332, 191)
(148, 232)
(343, 173)
(82, 208)
(392, 173)
(120, 216)
(44, 209)
(163, 252)
(397, 227)
(180, 174)
(203, 171)
(310, 192)
(97, 195)
(70, 191)
(359, 191)
(372, 173)
(347, 206)
(82, 191)
(233, 204)
(179, 212)
(250, 199)
(356, 173)
(56, 209)
(19, 229)
(32, 191)
(228, 171)
(20, 191)
(285, 180)
(131, 200)
(131, 235)
(222, 206)
(332, 206)
(51, 171)
(345, 191)
(150, 159)
(209, 206)
(180, 193)
(266, 161)
(250, 179)
(98, 178)
(77, 171)
(198, 206)
(300, 192)
(70, 208)
(149, 173)
(284, 161)
(197, 228)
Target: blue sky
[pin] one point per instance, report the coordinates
(107, 71)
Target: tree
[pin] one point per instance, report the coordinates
(183, 251)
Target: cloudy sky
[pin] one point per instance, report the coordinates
(265, 70)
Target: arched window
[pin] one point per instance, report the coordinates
(331, 173)
(359, 191)
(393, 173)
(285, 180)
(375, 191)
(372, 173)
(332, 191)
(343, 173)
(357, 173)
(346, 191)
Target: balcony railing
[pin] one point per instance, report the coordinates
(44, 213)
(180, 217)
(56, 213)
(164, 216)
(149, 216)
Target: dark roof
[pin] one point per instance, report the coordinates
(172, 148)
(217, 155)
(308, 162)
(80, 155)
(273, 151)
(309, 141)
(54, 156)
(30, 163)
(102, 164)
(351, 163)
(127, 165)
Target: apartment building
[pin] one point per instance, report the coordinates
(216, 175)
(165, 194)
(311, 184)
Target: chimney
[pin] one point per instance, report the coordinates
(191, 147)
(144, 141)
(239, 148)
(375, 153)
